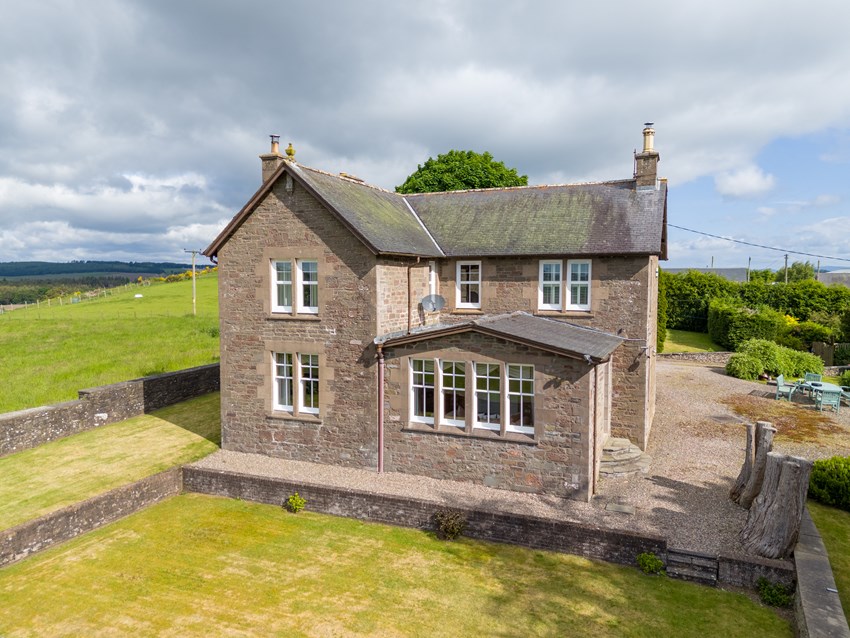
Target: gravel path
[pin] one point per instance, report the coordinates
(697, 447)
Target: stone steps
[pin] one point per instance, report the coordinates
(692, 566)
(621, 457)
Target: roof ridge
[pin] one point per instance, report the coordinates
(347, 178)
(521, 188)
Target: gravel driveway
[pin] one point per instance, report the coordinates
(697, 446)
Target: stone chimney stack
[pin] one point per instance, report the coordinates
(272, 160)
(646, 162)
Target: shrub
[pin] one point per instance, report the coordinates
(295, 503)
(730, 323)
(768, 353)
(759, 355)
(841, 357)
(743, 366)
(773, 594)
(809, 332)
(450, 523)
(649, 563)
(830, 482)
(844, 379)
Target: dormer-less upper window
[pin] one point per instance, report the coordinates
(549, 286)
(308, 293)
(468, 284)
(578, 284)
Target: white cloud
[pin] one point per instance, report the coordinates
(766, 211)
(749, 181)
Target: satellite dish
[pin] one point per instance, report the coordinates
(433, 302)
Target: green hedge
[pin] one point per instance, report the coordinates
(756, 356)
(830, 482)
(730, 324)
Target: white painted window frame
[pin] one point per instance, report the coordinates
(279, 372)
(524, 397)
(303, 380)
(559, 283)
(470, 282)
(570, 282)
(421, 387)
(440, 407)
(277, 282)
(301, 283)
(486, 425)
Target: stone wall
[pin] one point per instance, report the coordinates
(291, 224)
(57, 527)
(26, 429)
(704, 358)
(560, 536)
(555, 459)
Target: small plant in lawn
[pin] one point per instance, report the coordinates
(773, 594)
(295, 503)
(649, 563)
(830, 482)
(450, 523)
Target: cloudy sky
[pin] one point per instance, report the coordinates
(130, 130)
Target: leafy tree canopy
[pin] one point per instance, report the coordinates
(798, 271)
(461, 170)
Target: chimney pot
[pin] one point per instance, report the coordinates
(272, 160)
(646, 162)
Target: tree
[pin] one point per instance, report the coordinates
(461, 170)
(798, 271)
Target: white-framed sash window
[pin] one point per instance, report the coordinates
(549, 289)
(468, 284)
(488, 396)
(578, 284)
(284, 379)
(520, 398)
(308, 288)
(422, 406)
(453, 381)
(308, 391)
(282, 285)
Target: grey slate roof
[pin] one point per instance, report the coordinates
(520, 327)
(609, 218)
(583, 219)
(382, 218)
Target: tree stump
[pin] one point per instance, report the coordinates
(744, 476)
(773, 525)
(764, 443)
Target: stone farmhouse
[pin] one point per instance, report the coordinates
(494, 336)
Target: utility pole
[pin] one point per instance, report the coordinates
(817, 273)
(749, 265)
(194, 297)
(786, 269)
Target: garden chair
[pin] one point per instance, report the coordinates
(845, 393)
(783, 389)
(813, 376)
(831, 398)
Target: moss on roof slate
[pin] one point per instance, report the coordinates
(382, 218)
(609, 218)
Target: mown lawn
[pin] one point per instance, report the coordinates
(684, 341)
(57, 474)
(834, 527)
(204, 566)
(49, 353)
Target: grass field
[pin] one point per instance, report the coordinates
(49, 353)
(834, 527)
(684, 341)
(54, 475)
(201, 566)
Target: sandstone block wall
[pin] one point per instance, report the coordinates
(26, 429)
(556, 459)
(291, 224)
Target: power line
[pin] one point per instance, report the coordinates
(747, 243)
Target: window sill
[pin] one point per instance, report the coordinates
(467, 311)
(300, 418)
(477, 433)
(285, 316)
(563, 313)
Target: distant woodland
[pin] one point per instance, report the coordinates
(31, 281)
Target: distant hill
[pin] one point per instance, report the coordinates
(55, 270)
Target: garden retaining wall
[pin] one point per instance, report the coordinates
(26, 429)
(57, 527)
(540, 533)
